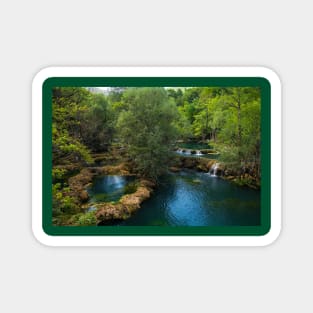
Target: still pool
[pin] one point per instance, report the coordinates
(110, 188)
(190, 198)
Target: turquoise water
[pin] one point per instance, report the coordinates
(109, 188)
(190, 198)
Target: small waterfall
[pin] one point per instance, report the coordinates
(91, 209)
(115, 180)
(189, 152)
(213, 170)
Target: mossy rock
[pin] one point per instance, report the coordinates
(128, 204)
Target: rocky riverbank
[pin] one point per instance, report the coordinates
(245, 176)
(127, 205)
(107, 211)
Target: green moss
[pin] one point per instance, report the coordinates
(87, 219)
(84, 219)
(68, 204)
(100, 197)
(58, 173)
(131, 187)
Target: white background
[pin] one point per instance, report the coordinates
(36, 34)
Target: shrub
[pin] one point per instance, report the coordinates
(87, 219)
(58, 173)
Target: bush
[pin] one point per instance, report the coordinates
(68, 204)
(58, 173)
(87, 219)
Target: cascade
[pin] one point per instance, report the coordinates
(213, 169)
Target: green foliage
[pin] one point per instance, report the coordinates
(68, 204)
(183, 125)
(131, 187)
(69, 149)
(99, 122)
(142, 126)
(191, 95)
(147, 129)
(68, 108)
(83, 219)
(86, 219)
(177, 95)
(229, 118)
(58, 174)
(61, 202)
(241, 130)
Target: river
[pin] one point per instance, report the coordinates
(189, 198)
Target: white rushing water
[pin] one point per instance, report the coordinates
(213, 170)
(188, 152)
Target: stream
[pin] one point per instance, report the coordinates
(186, 198)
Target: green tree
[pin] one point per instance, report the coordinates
(99, 124)
(239, 138)
(183, 125)
(206, 119)
(147, 129)
(177, 95)
(69, 106)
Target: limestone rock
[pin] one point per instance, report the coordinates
(83, 196)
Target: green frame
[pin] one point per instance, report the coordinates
(54, 230)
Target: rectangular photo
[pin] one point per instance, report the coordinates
(156, 156)
(156, 153)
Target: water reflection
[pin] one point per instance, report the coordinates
(189, 198)
(108, 188)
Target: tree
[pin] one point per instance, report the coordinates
(183, 125)
(177, 95)
(147, 129)
(237, 98)
(207, 120)
(69, 106)
(99, 123)
(240, 134)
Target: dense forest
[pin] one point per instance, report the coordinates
(141, 128)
